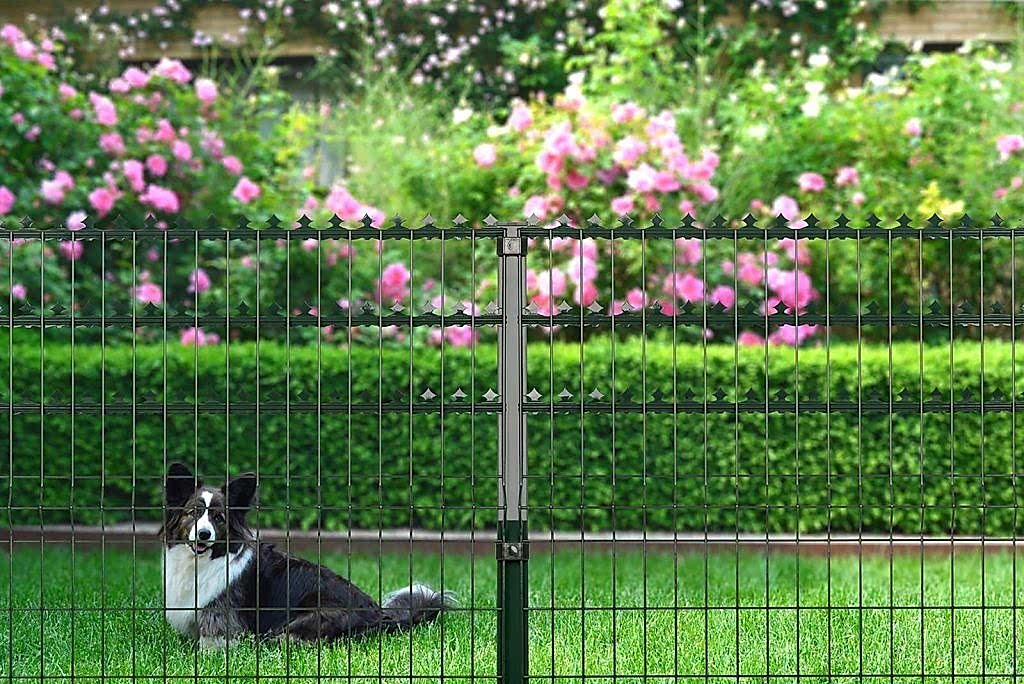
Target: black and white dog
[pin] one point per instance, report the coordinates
(220, 584)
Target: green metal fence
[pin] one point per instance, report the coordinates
(723, 450)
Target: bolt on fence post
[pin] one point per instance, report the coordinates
(513, 538)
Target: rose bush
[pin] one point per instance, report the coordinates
(940, 135)
(155, 144)
(576, 157)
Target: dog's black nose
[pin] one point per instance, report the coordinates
(204, 534)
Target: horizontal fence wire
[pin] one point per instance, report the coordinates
(808, 477)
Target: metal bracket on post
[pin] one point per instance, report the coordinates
(513, 537)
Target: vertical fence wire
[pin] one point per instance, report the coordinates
(1013, 449)
(10, 454)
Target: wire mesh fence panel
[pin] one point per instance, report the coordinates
(726, 451)
(208, 427)
(782, 450)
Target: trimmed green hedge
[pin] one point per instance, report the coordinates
(908, 472)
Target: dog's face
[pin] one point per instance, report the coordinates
(210, 521)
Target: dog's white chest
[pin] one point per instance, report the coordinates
(191, 582)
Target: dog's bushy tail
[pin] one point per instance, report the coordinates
(415, 604)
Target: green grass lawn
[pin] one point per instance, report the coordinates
(854, 617)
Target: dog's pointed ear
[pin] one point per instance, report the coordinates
(180, 484)
(239, 492)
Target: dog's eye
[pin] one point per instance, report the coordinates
(218, 517)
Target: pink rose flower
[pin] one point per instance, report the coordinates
(552, 283)
(25, 49)
(705, 192)
(520, 119)
(71, 250)
(11, 34)
(206, 91)
(64, 179)
(75, 220)
(393, 283)
(341, 202)
(688, 250)
(198, 281)
(161, 199)
(233, 165)
(581, 269)
(788, 208)
(626, 112)
(724, 295)
(793, 288)
(173, 70)
(847, 175)
(149, 293)
(19, 291)
(135, 77)
(550, 162)
(1008, 144)
(641, 178)
(460, 335)
(749, 339)
(811, 182)
(66, 92)
(181, 150)
(792, 335)
(106, 113)
(375, 215)
(156, 164)
(666, 181)
(52, 191)
(685, 286)
(133, 171)
(586, 293)
(485, 154)
(536, 205)
(796, 250)
(198, 337)
(913, 128)
(858, 198)
(622, 205)
(750, 273)
(636, 298)
(6, 200)
(112, 144)
(164, 131)
(628, 151)
(102, 200)
(245, 190)
(576, 180)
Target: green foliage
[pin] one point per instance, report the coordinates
(401, 149)
(777, 128)
(632, 53)
(903, 471)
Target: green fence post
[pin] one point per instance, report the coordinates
(513, 537)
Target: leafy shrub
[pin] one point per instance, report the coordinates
(158, 148)
(940, 135)
(909, 472)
